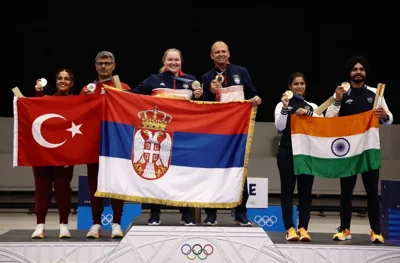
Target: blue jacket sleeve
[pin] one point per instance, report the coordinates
(206, 82)
(250, 90)
(143, 88)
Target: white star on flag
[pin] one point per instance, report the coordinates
(75, 129)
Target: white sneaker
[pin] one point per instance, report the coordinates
(64, 232)
(39, 231)
(116, 231)
(95, 231)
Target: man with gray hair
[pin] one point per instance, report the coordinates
(105, 65)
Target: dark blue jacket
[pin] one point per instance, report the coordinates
(234, 75)
(164, 80)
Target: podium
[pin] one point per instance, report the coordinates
(193, 244)
(84, 220)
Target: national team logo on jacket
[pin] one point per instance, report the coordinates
(151, 153)
(185, 85)
(236, 79)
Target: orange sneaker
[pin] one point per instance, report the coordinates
(304, 236)
(377, 238)
(291, 235)
(342, 234)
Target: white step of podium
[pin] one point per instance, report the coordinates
(187, 244)
(178, 244)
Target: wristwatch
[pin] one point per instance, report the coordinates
(387, 118)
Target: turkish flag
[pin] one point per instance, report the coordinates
(57, 130)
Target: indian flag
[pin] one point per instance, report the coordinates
(335, 147)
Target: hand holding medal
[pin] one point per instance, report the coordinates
(90, 88)
(215, 85)
(40, 84)
(196, 85)
(198, 90)
(345, 85)
(340, 90)
(43, 82)
(289, 94)
(286, 96)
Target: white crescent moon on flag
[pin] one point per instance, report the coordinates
(37, 134)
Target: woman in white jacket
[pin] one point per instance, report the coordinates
(293, 102)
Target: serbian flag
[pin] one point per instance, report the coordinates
(174, 152)
(56, 130)
(336, 147)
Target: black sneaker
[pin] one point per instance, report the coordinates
(241, 219)
(211, 219)
(154, 220)
(187, 220)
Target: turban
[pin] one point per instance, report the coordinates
(351, 62)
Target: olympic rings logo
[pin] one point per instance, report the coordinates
(106, 219)
(197, 250)
(252, 203)
(265, 220)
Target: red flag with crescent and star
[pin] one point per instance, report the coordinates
(57, 130)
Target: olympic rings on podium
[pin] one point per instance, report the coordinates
(197, 250)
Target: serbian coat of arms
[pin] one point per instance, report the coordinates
(152, 144)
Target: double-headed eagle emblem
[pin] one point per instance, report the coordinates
(151, 155)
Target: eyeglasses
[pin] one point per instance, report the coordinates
(104, 63)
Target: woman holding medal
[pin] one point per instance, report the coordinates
(171, 82)
(61, 176)
(293, 102)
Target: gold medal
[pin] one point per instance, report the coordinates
(345, 85)
(195, 85)
(289, 94)
(220, 78)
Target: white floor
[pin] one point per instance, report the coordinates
(22, 220)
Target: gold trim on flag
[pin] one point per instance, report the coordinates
(167, 202)
(250, 133)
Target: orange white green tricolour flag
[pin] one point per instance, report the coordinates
(335, 147)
